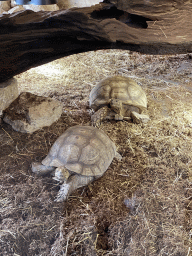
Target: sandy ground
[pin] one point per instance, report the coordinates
(142, 204)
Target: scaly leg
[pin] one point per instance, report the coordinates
(99, 116)
(74, 182)
(41, 169)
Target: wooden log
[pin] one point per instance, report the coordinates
(29, 39)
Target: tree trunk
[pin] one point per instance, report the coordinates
(29, 39)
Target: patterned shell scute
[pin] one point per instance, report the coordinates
(118, 87)
(82, 149)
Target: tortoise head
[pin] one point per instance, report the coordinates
(116, 105)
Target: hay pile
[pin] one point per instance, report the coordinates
(142, 205)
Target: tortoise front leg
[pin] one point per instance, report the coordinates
(99, 116)
(74, 182)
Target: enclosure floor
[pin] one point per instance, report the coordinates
(142, 204)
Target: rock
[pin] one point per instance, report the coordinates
(37, 8)
(5, 5)
(16, 9)
(30, 112)
(139, 118)
(8, 93)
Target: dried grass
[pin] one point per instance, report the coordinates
(142, 205)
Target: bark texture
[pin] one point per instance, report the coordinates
(29, 39)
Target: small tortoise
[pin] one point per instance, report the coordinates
(79, 156)
(117, 98)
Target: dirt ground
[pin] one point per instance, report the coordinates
(142, 205)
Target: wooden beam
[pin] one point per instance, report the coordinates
(29, 39)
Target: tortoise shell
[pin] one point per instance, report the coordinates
(85, 150)
(118, 87)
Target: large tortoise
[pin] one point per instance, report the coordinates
(79, 156)
(118, 98)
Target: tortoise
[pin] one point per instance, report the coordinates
(79, 156)
(119, 98)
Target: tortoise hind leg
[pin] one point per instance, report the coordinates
(41, 169)
(99, 116)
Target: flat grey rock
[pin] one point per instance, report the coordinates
(30, 112)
